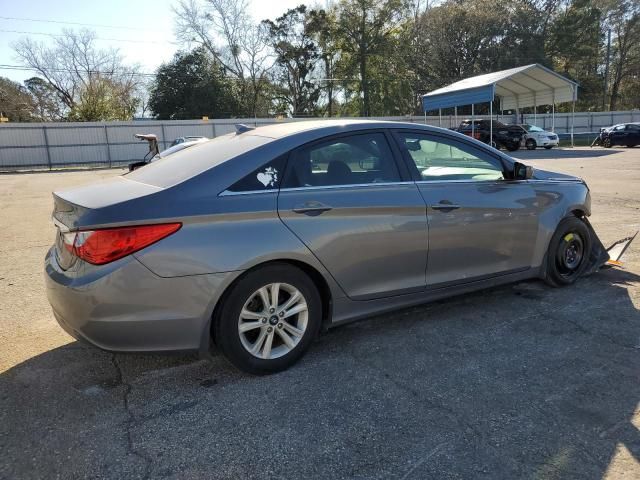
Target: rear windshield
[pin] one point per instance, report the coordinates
(188, 163)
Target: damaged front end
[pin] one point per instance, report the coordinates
(600, 256)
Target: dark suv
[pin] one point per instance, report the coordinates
(505, 136)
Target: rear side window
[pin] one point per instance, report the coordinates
(267, 177)
(352, 160)
(188, 163)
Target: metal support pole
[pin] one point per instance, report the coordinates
(455, 111)
(573, 119)
(106, 140)
(473, 133)
(440, 117)
(553, 117)
(46, 143)
(491, 123)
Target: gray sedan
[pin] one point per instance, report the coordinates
(255, 242)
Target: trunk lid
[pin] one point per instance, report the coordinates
(78, 207)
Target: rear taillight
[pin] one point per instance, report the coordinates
(106, 245)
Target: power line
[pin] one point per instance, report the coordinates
(60, 22)
(68, 70)
(96, 38)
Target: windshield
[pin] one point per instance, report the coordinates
(189, 162)
(533, 128)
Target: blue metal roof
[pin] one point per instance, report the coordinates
(518, 87)
(461, 97)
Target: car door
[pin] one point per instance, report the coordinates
(346, 199)
(633, 134)
(619, 135)
(480, 225)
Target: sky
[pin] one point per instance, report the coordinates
(141, 29)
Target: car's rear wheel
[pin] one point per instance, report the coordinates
(530, 144)
(549, 147)
(568, 252)
(268, 319)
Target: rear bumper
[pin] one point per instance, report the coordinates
(124, 307)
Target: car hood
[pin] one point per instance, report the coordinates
(547, 175)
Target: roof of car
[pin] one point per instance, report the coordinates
(279, 130)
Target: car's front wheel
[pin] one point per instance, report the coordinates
(568, 252)
(268, 319)
(512, 147)
(607, 143)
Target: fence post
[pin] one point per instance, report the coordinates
(46, 143)
(106, 139)
(164, 142)
(213, 129)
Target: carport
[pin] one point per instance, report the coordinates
(516, 88)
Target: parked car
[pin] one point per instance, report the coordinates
(176, 146)
(255, 242)
(627, 134)
(504, 136)
(535, 137)
(188, 138)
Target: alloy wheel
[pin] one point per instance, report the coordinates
(273, 320)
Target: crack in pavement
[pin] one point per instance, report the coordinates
(130, 418)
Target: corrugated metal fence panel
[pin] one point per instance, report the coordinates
(54, 145)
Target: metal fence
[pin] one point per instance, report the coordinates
(31, 146)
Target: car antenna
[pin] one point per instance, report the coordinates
(241, 128)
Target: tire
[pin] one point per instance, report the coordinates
(548, 147)
(512, 147)
(530, 144)
(631, 146)
(568, 252)
(606, 143)
(260, 322)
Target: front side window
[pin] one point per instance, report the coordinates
(439, 160)
(353, 160)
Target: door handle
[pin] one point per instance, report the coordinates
(312, 208)
(445, 206)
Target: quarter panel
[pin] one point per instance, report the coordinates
(247, 232)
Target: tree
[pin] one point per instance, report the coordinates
(243, 52)
(296, 58)
(103, 99)
(15, 102)
(366, 28)
(192, 85)
(48, 106)
(322, 28)
(623, 18)
(77, 71)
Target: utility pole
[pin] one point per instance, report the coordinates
(606, 72)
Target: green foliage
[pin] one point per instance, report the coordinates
(15, 102)
(192, 85)
(103, 99)
(296, 58)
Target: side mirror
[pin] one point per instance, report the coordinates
(522, 171)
